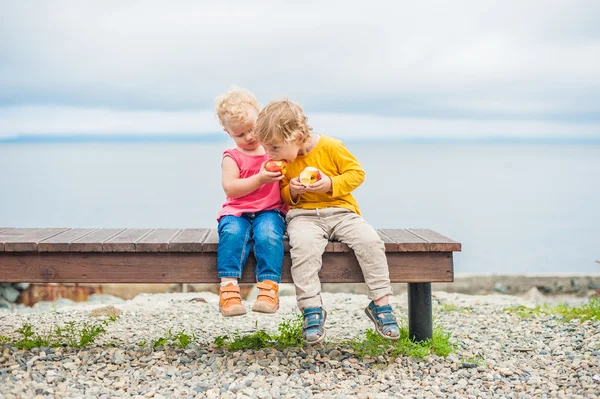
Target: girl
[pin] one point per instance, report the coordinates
(253, 215)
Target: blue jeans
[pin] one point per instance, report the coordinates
(260, 231)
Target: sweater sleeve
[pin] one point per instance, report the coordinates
(351, 173)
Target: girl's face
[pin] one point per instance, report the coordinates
(243, 133)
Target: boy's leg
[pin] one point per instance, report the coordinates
(267, 229)
(351, 229)
(233, 250)
(308, 239)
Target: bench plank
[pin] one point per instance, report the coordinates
(406, 241)
(93, 241)
(12, 235)
(437, 242)
(194, 267)
(61, 242)
(125, 241)
(390, 245)
(2, 230)
(211, 243)
(189, 240)
(29, 242)
(157, 240)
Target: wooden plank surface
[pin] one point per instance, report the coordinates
(211, 243)
(2, 230)
(174, 267)
(13, 235)
(93, 241)
(390, 245)
(406, 241)
(125, 241)
(157, 240)
(62, 242)
(188, 240)
(437, 242)
(29, 242)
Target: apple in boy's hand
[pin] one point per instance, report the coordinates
(309, 176)
(276, 166)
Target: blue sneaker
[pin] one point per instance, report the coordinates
(313, 330)
(385, 323)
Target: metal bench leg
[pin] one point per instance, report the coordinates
(420, 326)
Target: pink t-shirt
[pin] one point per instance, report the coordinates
(264, 198)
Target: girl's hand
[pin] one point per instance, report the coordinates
(266, 177)
(321, 186)
(296, 188)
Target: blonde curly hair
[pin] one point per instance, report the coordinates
(282, 120)
(232, 107)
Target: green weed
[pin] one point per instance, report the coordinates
(70, 334)
(182, 340)
(159, 342)
(289, 333)
(588, 311)
(374, 345)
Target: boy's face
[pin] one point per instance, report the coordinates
(283, 150)
(243, 133)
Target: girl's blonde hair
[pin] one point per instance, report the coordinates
(233, 106)
(284, 121)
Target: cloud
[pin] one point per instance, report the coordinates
(519, 62)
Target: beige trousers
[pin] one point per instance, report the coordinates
(310, 230)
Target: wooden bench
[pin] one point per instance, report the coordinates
(60, 255)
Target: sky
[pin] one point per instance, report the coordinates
(363, 70)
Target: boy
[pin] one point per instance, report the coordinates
(321, 211)
(253, 216)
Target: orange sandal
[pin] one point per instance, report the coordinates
(267, 300)
(230, 301)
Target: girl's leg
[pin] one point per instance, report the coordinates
(267, 230)
(232, 254)
(233, 250)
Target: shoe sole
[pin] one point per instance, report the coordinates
(377, 330)
(237, 312)
(263, 308)
(319, 340)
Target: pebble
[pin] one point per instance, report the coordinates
(534, 357)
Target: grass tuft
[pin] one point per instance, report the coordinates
(588, 311)
(373, 345)
(71, 334)
(289, 333)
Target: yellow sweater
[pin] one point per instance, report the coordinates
(331, 157)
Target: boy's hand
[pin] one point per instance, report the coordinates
(321, 186)
(266, 177)
(296, 188)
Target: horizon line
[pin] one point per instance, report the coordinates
(221, 138)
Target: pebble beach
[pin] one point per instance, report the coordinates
(498, 354)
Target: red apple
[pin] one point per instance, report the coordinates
(276, 166)
(309, 176)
